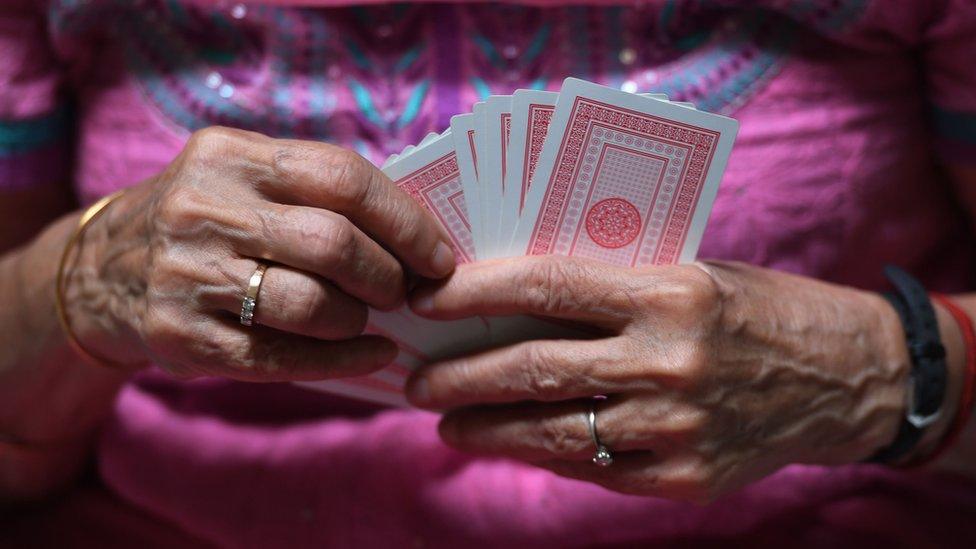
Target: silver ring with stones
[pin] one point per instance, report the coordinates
(250, 302)
(603, 457)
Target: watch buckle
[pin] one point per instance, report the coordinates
(917, 420)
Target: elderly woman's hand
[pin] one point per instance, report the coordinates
(716, 374)
(162, 276)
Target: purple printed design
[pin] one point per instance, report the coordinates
(377, 78)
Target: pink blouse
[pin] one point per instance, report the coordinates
(846, 109)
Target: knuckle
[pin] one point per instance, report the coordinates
(350, 177)
(684, 423)
(334, 239)
(259, 358)
(406, 225)
(549, 285)
(180, 209)
(306, 302)
(693, 366)
(311, 305)
(540, 372)
(696, 485)
(694, 422)
(695, 294)
(175, 344)
(467, 379)
(216, 350)
(538, 275)
(291, 163)
(244, 358)
(272, 222)
(283, 161)
(557, 440)
(209, 142)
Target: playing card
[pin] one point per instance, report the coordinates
(462, 136)
(411, 149)
(389, 160)
(430, 137)
(622, 178)
(591, 171)
(431, 176)
(531, 113)
(420, 341)
(478, 111)
(483, 238)
(498, 119)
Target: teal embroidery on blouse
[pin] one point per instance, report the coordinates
(412, 108)
(26, 135)
(725, 52)
(481, 87)
(365, 102)
(305, 66)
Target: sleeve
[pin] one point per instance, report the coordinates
(949, 63)
(34, 113)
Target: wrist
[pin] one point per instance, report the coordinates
(101, 286)
(936, 365)
(886, 402)
(47, 393)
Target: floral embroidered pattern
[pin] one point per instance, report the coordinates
(380, 77)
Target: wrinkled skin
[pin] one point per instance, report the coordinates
(717, 374)
(175, 254)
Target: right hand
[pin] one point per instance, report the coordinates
(161, 276)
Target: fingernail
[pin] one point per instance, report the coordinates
(443, 259)
(418, 392)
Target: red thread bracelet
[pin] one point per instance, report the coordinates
(969, 382)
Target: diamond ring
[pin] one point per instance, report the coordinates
(603, 456)
(250, 302)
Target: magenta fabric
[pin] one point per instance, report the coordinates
(845, 107)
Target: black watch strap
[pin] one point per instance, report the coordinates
(927, 379)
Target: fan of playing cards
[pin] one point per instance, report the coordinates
(589, 171)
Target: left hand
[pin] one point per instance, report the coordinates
(717, 374)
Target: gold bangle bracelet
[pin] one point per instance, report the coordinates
(89, 215)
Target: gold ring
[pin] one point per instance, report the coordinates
(250, 302)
